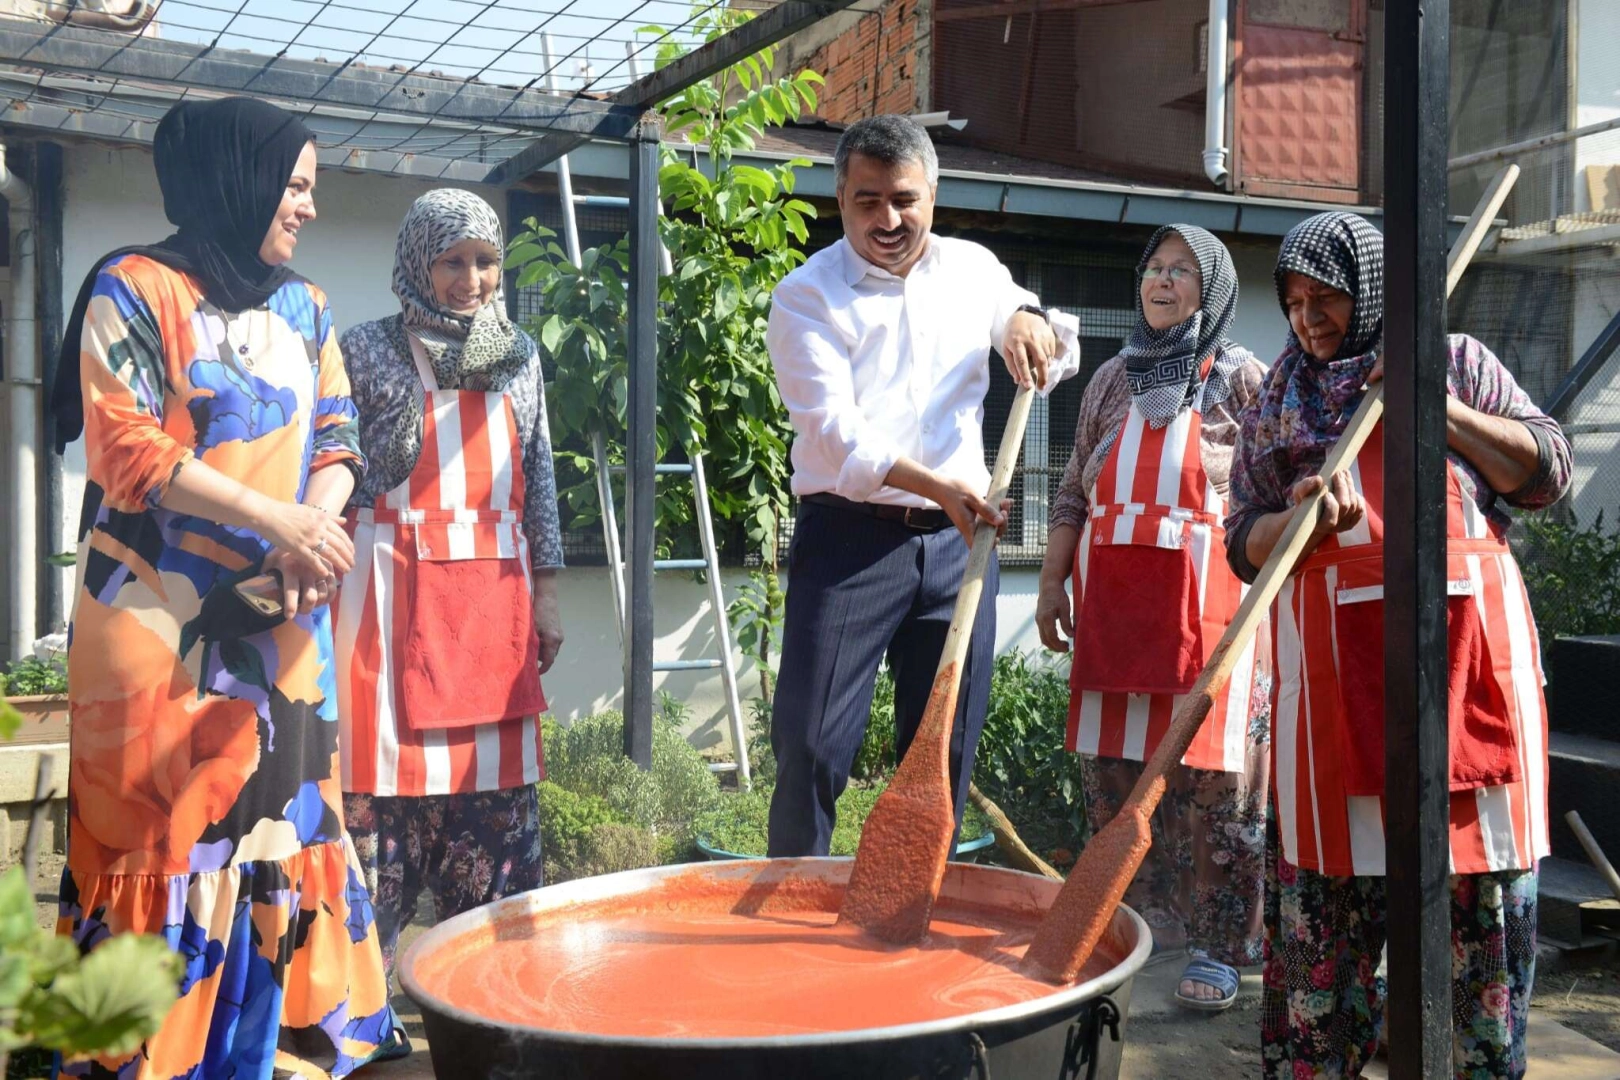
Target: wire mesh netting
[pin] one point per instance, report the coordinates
(493, 64)
(1546, 294)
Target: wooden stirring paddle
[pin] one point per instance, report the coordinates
(1085, 905)
(907, 838)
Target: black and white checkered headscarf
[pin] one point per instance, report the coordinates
(1162, 366)
(1342, 250)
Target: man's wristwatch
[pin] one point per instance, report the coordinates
(1033, 310)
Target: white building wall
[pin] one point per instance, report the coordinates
(1597, 87)
(1259, 325)
(1594, 422)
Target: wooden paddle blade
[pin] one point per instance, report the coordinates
(1085, 905)
(907, 837)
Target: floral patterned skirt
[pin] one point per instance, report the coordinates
(278, 954)
(1202, 883)
(465, 850)
(1323, 1001)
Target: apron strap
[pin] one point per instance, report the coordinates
(423, 368)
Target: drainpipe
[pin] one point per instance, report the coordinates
(1215, 149)
(22, 364)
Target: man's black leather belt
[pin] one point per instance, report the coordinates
(912, 517)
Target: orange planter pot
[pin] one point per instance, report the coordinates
(45, 719)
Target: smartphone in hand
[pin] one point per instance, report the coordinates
(263, 593)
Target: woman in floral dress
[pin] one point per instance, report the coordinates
(204, 799)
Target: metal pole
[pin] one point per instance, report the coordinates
(641, 449)
(48, 196)
(1590, 363)
(565, 178)
(1416, 85)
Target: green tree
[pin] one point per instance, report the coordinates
(733, 232)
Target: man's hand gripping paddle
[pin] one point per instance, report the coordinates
(907, 838)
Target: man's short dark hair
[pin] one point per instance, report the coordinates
(892, 139)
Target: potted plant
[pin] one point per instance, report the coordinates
(36, 687)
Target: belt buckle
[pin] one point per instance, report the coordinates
(911, 524)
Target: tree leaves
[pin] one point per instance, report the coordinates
(733, 231)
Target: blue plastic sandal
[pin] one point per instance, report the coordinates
(1223, 977)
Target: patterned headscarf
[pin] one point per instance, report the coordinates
(1305, 403)
(1342, 250)
(481, 351)
(1162, 366)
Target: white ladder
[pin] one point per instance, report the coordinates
(710, 563)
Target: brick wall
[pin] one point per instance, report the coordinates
(876, 66)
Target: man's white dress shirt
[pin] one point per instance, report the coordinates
(874, 367)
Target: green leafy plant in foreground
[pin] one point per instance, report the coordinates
(108, 1002)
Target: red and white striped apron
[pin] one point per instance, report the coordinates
(1328, 715)
(411, 691)
(1152, 596)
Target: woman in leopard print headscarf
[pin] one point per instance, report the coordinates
(436, 663)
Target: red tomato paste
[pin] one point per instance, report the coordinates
(692, 959)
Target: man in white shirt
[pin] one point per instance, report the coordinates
(881, 347)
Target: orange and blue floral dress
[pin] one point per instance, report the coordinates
(204, 795)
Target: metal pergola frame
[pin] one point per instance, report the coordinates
(1415, 89)
(558, 123)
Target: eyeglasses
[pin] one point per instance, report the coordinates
(1174, 273)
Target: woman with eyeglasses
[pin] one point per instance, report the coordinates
(1137, 524)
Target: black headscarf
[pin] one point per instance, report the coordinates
(1343, 250)
(1162, 367)
(223, 167)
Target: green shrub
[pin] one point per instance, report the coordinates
(612, 847)
(876, 757)
(30, 676)
(1021, 762)
(566, 822)
(587, 758)
(1572, 574)
(740, 823)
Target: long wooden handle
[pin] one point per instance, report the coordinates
(1594, 852)
(1280, 564)
(984, 537)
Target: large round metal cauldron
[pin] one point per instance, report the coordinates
(1072, 1033)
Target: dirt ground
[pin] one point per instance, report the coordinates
(1162, 1040)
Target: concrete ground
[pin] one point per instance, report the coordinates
(1166, 1040)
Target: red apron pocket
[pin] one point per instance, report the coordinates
(1138, 629)
(471, 653)
(1358, 618)
(1484, 749)
(1481, 745)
